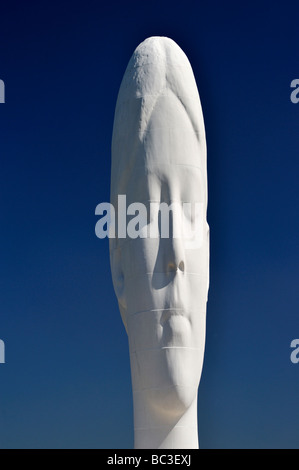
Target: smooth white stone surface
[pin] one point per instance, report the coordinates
(159, 154)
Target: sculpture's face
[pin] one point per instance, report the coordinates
(162, 283)
(166, 279)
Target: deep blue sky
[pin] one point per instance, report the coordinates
(66, 382)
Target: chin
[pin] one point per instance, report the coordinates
(176, 387)
(173, 402)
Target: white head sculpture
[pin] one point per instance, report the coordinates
(159, 155)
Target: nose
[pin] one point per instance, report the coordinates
(174, 256)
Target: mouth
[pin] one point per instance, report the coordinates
(176, 328)
(170, 313)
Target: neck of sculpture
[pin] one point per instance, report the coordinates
(163, 433)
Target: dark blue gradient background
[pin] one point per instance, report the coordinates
(66, 382)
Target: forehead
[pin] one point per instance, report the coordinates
(167, 182)
(167, 159)
(171, 154)
(170, 137)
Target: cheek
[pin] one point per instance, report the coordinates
(139, 256)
